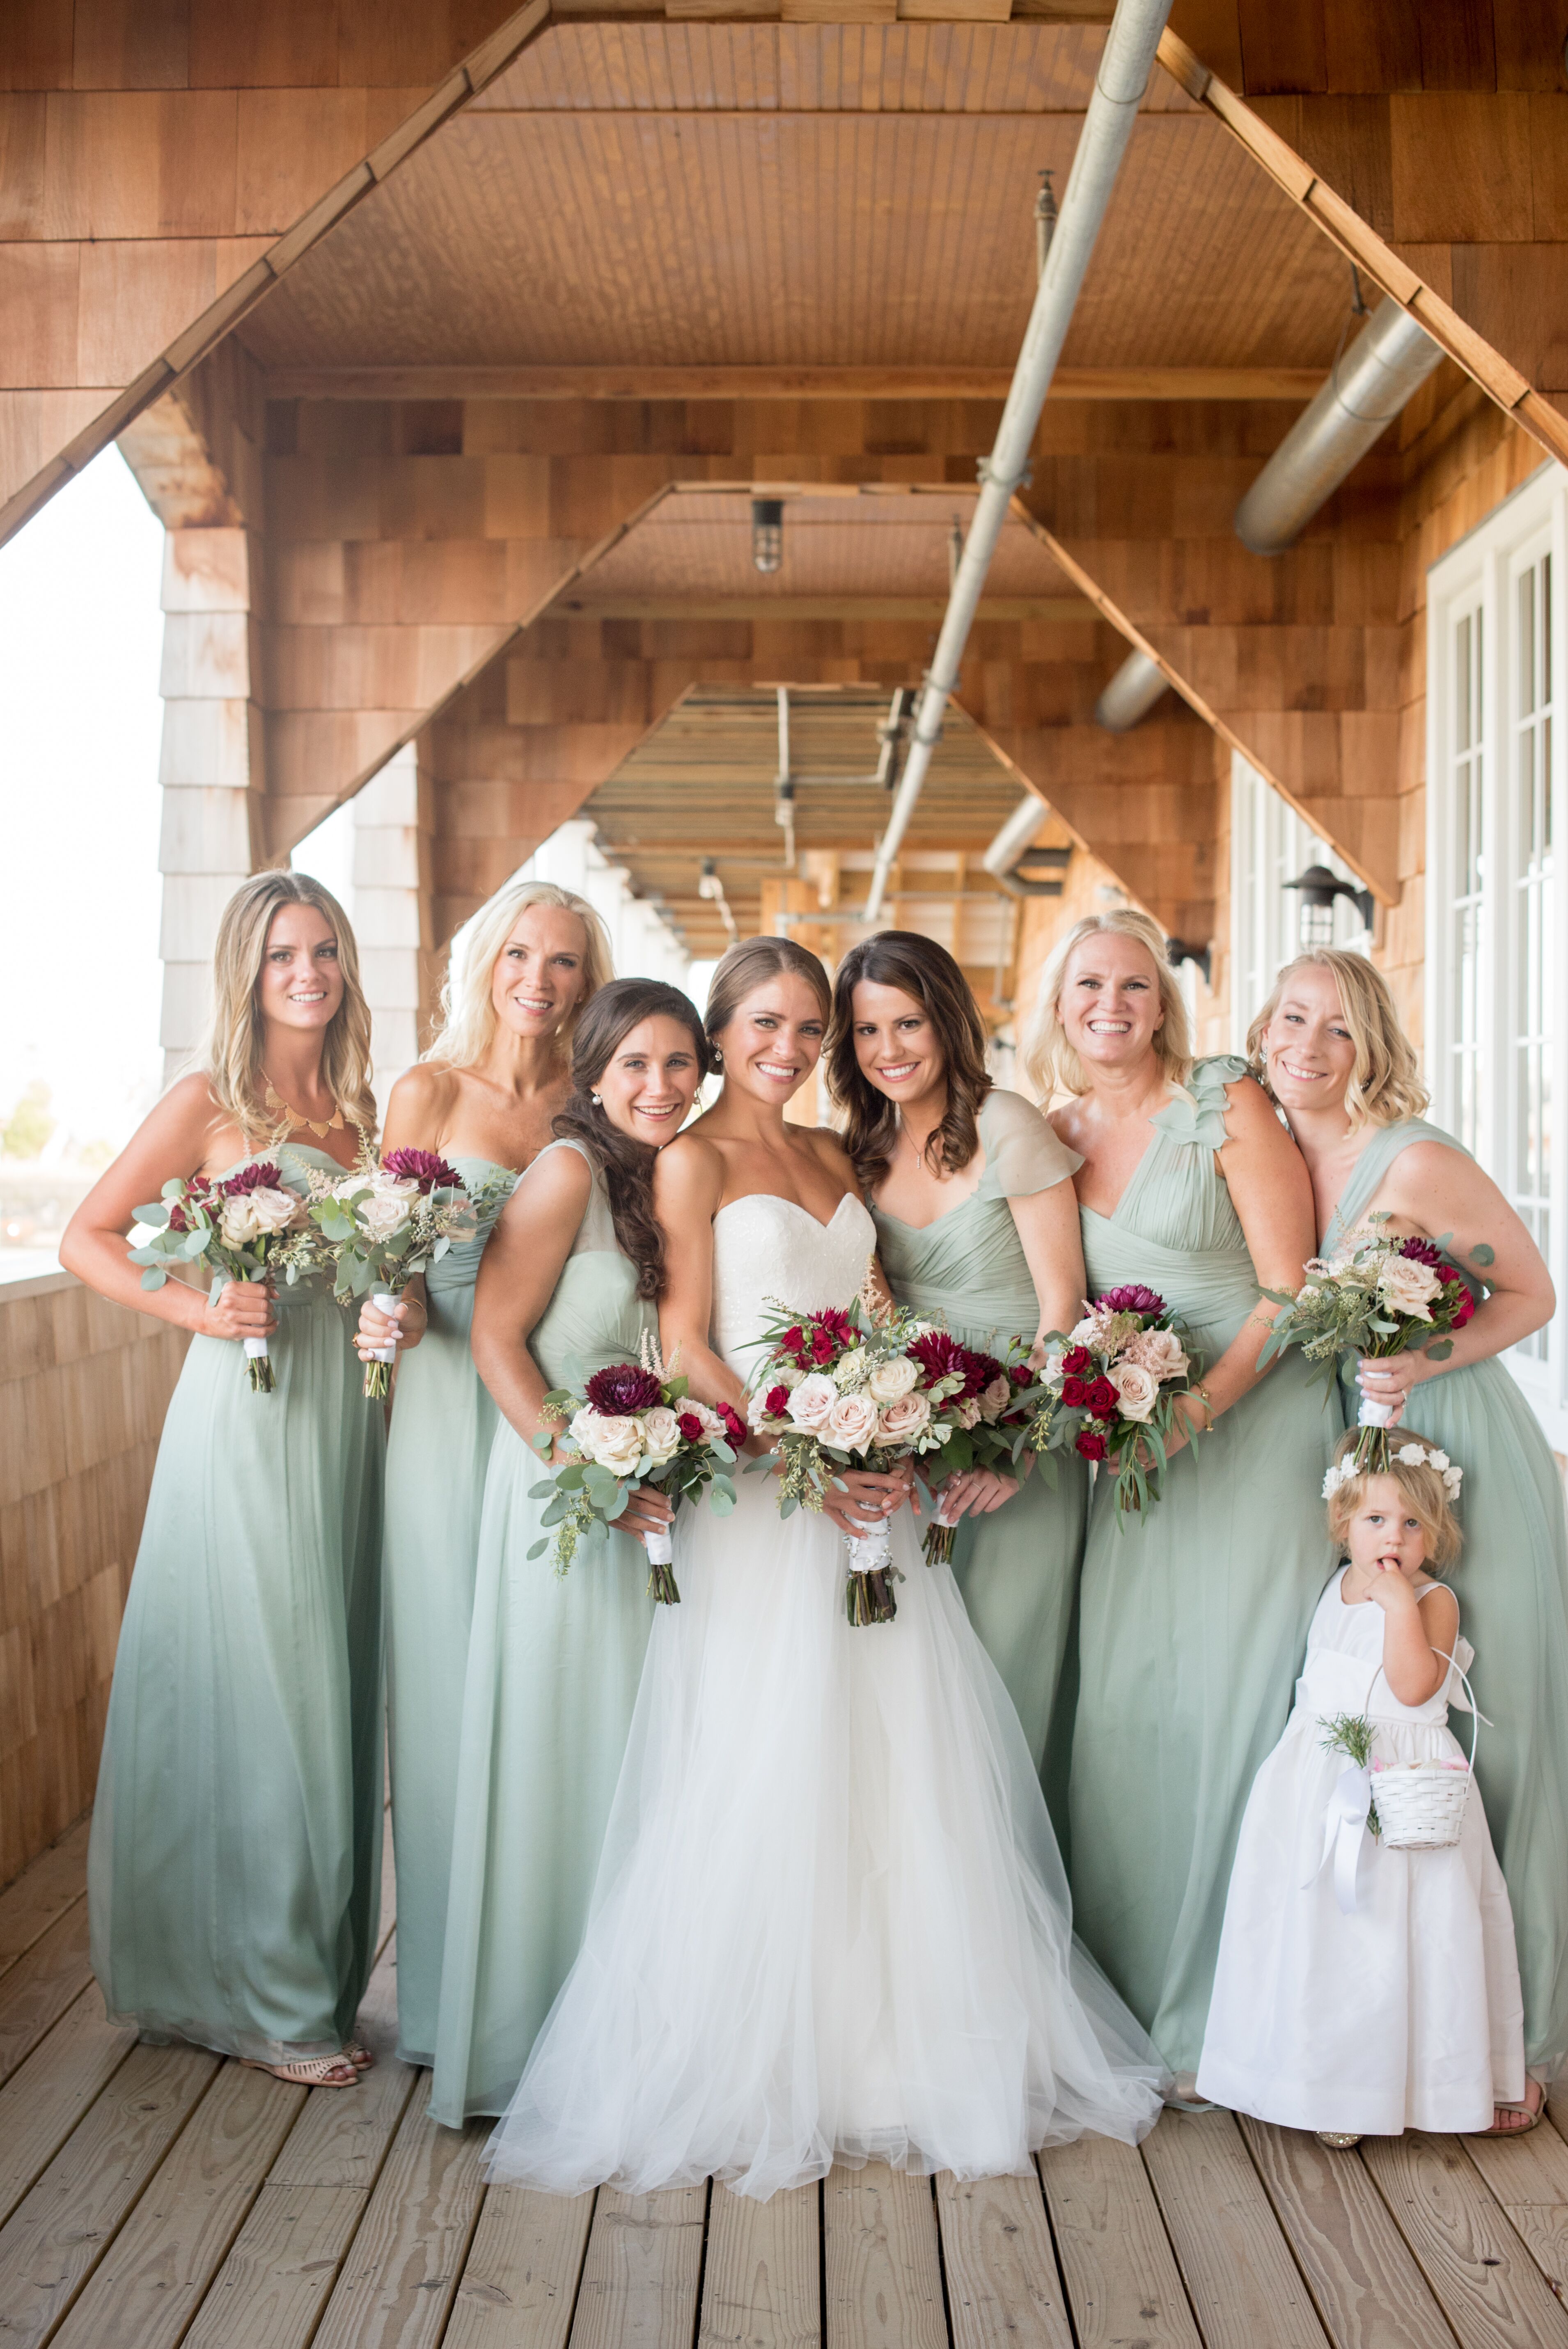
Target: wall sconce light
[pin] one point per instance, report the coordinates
(1319, 891)
(767, 534)
(1177, 951)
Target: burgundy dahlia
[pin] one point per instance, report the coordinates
(979, 1373)
(425, 1167)
(623, 1391)
(940, 1357)
(263, 1176)
(1132, 1297)
(1421, 1251)
(1091, 1444)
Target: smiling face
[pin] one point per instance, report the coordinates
(1385, 1535)
(1109, 1007)
(650, 1081)
(897, 1048)
(301, 978)
(773, 1039)
(539, 973)
(1309, 1053)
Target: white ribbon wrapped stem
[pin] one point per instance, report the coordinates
(1344, 1827)
(870, 1553)
(384, 1302)
(657, 1542)
(1374, 1414)
(256, 1348)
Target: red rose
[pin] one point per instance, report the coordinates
(777, 1401)
(821, 1346)
(1090, 1444)
(1102, 1399)
(734, 1426)
(177, 1220)
(1075, 1394)
(690, 1427)
(1076, 1361)
(793, 1341)
(1464, 1309)
(1021, 1375)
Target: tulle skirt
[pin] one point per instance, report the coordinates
(830, 1920)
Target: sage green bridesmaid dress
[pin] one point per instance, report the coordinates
(555, 1664)
(234, 1877)
(437, 1451)
(1513, 1583)
(1193, 1626)
(1017, 1567)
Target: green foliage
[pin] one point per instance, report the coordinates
(29, 1125)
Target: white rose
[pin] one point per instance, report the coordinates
(850, 1370)
(788, 1374)
(995, 1399)
(1158, 1351)
(905, 1419)
(615, 1443)
(1409, 1287)
(811, 1402)
(256, 1214)
(897, 1376)
(710, 1421)
(851, 1424)
(385, 1212)
(1136, 1388)
(757, 1415)
(661, 1435)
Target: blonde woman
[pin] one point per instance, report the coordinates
(482, 1097)
(1192, 1625)
(1328, 1046)
(233, 1878)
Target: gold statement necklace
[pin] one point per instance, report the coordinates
(333, 1124)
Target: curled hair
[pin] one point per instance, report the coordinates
(1051, 1063)
(1385, 1084)
(1422, 1487)
(626, 1164)
(466, 1024)
(747, 966)
(230, 1055)
(928, 975)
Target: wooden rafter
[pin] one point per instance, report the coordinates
(780, 383)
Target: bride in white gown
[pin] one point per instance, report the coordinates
(830, 1921)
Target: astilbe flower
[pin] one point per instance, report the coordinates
(425, 1167)
(263, 1176)
(623, 1391)
(1132, 1297)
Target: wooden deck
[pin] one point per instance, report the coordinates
(150, 2197)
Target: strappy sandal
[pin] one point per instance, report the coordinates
(1530, 2117)
(1338, 2140)
(359, 2056)
(309, 2071)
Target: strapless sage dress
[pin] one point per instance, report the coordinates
(1512, 1581)
(1017, 1568)
(233, 1878)
(553, 1666)
(437, 1451)
(1193, 1626)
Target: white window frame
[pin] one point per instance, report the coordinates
(1479, 577)
(1270, 844)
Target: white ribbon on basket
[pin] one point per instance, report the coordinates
(1345, 1820)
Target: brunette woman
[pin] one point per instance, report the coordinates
(482, 1097)
(1194, 1619)
(233, 1878)
(1330, 1049)
(977, 1223)
(568, 1284)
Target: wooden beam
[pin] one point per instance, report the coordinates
(642, 383)
(1064, 609)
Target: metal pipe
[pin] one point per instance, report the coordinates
(1389, 360)
(1017, 834)
(1124, 69)
(1131, 694)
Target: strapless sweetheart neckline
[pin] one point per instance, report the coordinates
(747, 1196)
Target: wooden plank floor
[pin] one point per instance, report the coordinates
(153, 2196)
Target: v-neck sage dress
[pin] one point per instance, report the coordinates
(234, 1872)
(437, 1451)
(1017, 1567)
(1192, 1626)
(555, 1664)
(1513, 1583)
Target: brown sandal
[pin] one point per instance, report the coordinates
(309, 2071)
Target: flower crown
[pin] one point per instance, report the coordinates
(1410, 1455)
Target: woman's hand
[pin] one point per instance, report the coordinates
(647, 1510)
(403, 1327)
(240, 1309)
(1389, 1378)
(974, 1492)
(862, 1500)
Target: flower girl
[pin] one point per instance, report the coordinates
(1360, 1990)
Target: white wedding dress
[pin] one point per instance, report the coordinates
(830, 1921)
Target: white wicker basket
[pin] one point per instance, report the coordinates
(1421, 1804)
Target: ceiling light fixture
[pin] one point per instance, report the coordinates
(711, 888)
(767, 534)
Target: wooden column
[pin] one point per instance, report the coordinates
(210, 764)
(393, 826)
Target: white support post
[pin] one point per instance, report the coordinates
(393, 823)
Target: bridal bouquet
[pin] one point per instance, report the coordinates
(244, 1226)
(635, 1423)
(383, 1223)
(988, 1414)
(1377, 1295)
(859, 1387)
(1111, 1389)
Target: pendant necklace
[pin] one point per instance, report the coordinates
(333, 1124)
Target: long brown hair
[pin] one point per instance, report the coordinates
(230, 1057)
(606, 1018)
(746, 967)
(928, 975)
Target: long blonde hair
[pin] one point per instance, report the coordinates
(1049, 1061)
(467, 1017)
(1385, 1084)
(230, 1055)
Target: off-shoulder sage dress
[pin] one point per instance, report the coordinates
(233, 1878)
(1193, 1626)
(437, 1451)
(555, 1662)
(1017, 1567)
(1512, 1582)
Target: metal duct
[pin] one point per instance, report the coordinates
(1017, 834)
(1124, 69)
(1389, 360)
(1131, 694)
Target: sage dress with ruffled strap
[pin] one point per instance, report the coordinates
(234, 1873)
(1017, 1567)
(437, 1451)
(1513, 1578)
(1193, 1625)
(555, 1664)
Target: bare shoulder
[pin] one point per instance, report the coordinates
(422, 1100)
(189, 1116)
(1439, 1613)
(556, 1180)
(1423, 1169)
(828, 1147)
(690, 1170)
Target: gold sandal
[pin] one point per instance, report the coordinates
(1530, 2118)
(308, 2071)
